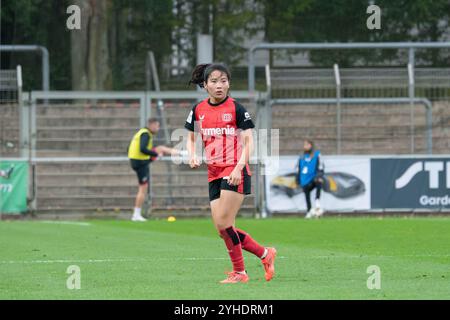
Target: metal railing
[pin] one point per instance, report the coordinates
(425, 102)
(335, 79)
(410, 46)
(36, 100)
(45, 59)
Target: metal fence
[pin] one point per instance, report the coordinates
(411, 47)
(334, 80)
(76, 141)
(10, 110)
(432, 83)
(76, 144)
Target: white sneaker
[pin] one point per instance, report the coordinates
(138, 218)
(310, 214)
(318, 212)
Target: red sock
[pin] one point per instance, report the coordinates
(249, 244)
(231, 238)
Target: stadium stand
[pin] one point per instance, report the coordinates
(9, 130)
(104, 129)
(365, 129)
(9, 114)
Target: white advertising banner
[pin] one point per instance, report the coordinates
(346, 185)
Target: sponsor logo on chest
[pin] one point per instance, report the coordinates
(227, 117)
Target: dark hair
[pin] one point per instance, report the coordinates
(311, 143)
(152, 120)
(201, 73)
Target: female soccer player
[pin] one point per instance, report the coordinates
(310, 176)
(225, 127)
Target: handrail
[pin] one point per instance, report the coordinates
(411, 46)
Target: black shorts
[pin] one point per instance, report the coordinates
(141, 167)
(222, 184)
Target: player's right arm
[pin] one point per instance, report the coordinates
(143, 146)
(194, 162)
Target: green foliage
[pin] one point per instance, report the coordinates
(280, 18)
(229, 22)
(29, 22)
(135, 27)
(233, 23)
(142, 26)
(345, 21)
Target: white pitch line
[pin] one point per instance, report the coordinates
(376, 257)
(74, 223)
(111, 260)
(203, 258)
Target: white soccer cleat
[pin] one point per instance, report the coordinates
(138, 218)
(318, 211)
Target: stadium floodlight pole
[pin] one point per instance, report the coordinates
(23, 116)
(350, 45)
(264, 140)
(411, 97)
(45, 60)
(338, 111)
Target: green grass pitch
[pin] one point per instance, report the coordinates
(318, 259)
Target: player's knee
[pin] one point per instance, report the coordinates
(221, 226)
(222, 223)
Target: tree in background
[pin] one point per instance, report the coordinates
(107, 53)
(139, 26)
(229, 22)
(280, 19)
(29, 22)
(110, 50)
(345, 21)
(90, 54)
(417, 20)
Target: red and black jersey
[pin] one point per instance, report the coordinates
(220, 126)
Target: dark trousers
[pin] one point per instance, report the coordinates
(310, 187)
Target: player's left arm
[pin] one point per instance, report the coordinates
(245, 124)
(247, 149)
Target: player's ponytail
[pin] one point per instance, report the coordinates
(198, 74)
(201, 73)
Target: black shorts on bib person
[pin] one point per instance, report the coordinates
(141, 167)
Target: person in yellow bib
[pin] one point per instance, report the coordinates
(141, 153)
